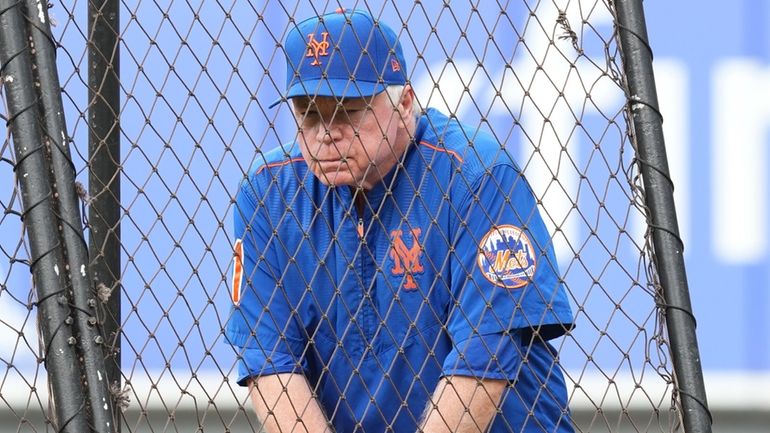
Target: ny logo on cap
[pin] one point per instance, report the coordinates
(316, 48)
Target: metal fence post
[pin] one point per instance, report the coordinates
(46, 255)
(90, 340)
(647, 125)
(104, 170)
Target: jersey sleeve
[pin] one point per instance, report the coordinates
(505, 279)
(261, 326)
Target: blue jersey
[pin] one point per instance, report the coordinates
(447, 270)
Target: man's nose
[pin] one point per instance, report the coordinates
(329, 132)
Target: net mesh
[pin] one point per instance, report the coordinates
(542, 77)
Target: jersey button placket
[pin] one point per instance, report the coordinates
(367, 266)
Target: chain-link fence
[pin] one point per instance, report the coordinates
(191, 123)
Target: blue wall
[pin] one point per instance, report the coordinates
(730, 298)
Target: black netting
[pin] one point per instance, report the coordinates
(540, 79)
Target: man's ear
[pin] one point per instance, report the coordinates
(406, 103)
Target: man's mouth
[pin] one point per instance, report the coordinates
(330, 164)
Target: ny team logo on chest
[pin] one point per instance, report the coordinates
(406, 260)
(506, 257)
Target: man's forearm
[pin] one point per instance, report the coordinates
(284, 403)
(462, 405)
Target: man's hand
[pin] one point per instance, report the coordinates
(463, 404)
(285, 404)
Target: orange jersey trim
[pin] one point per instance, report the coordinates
(279, 164)
(237, 272)
(438, 149)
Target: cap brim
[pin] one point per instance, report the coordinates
(326, 87)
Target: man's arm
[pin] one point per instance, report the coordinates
(462, 404)
(285, 404)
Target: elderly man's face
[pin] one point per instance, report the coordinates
(355, 142)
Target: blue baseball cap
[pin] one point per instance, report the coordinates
(346, 54)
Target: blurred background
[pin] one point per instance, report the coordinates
(712, 64)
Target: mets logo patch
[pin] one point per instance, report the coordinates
(506, 257)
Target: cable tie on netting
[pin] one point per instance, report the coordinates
(662, 173)
(19, 113)
(637, 103)
(82, 192)
(669, 231)
(76, 230)
(81, 309)
(676, 307)
(103, 292)
(699, 401)
(9, 211)
(21, 160)
(62, 299)
(121, 396)
(12, 260)
(568, 32)
(36, 24)
(60, 145)
(48, 345)
(17, 4)
(53, 249)
(3, 79)
(4, 159)
(63, 427)
(638, 36)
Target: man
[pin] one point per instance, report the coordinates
(392, 271)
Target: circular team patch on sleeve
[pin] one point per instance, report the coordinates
(506, 257)
(237, 271)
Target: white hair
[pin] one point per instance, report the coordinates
(395, 92)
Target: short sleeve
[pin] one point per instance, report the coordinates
(262, 325)
(504, 271)
(490, 356)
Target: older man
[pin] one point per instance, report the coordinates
(393, 272)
